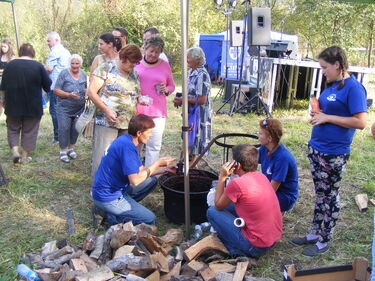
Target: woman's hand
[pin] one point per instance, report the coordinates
(110, 115)
(318, 118)
(227, 169)
(74, 96)
(163, 89)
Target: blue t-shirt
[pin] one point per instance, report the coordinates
(281, 166)
(351, 99)
(120, 159)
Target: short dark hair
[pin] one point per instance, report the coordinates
(108, 38)
(247, 156)
(140, 123)
(156, 42)
(152, 30)
(130, 52)
(27, 50)
(122, 30)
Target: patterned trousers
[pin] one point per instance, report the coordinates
(326, 170)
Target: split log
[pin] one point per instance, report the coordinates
(124, 250)
(372, 201)
(142, 248)
(46, 274)
(98, 248)
(89, 242)
(193, 267)
(185, 278)
(240, 272)
(161, 262)
(78, 264)
(150, 243)
(210, 242)
(33, 259)
(99, 274)
(70, 222)
(106, 254)
(175, 271)
(223, 276)
(361, 201)
(129, 227)
(48, 248)
(131, 277)
(141, 263)
(66, 258)
(120, 237)
(89, 262)
(208, 274)
(119, 263)
(222, 267)
(179, 255)
(59, 253)
(70, 275)
(173, 236)
(151, 229)
(155, 276)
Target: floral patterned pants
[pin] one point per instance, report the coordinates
(326, 170)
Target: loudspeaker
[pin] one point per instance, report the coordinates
(259, 20)
(247, 99)
(236, 33)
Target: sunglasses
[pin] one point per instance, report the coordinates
(265, 122)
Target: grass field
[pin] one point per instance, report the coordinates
(34, 203)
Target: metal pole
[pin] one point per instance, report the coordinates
(15, 26)
(184, 42)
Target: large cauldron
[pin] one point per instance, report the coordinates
(174, 204)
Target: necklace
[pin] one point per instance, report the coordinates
(148, 62)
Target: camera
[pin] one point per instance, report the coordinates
(235, 165)
(178, 95)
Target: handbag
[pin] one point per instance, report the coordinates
(86, 116)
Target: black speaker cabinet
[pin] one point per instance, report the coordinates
(259, 33)
(236, 33)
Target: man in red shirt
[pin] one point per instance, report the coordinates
(250, 197)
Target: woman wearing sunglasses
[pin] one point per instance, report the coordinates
(277, 163)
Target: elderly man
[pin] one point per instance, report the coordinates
(58, 59)
(148, 33)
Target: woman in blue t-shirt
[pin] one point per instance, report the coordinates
(278, 164)
(343, 109)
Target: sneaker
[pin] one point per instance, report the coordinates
(314, 251)
(64, 157)
(16, 157)
(72, 154)
(300, 241)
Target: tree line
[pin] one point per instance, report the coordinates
(318, 24)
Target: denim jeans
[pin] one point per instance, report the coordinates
(231, 235)
(52, 112)
(126, 208)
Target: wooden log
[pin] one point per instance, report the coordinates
(224, 276)
(372, 201)
(192, 268)
(150, 243)
(89, 242)
(78, 264)
(151, 229)
(124, 250)
(46, 275)
(119, 263)
(33, 259)
(207, 274)
(360, 266)
(98, 248)
(161, 262)
(361, 201)
(106, 254)
(208, 243)
(141, 263)
(70, 275)
(222, 267)
(48, 248)
(70, 222)
(155, 276)
(240, 272)
(62, 252)
(89, 262)
(99, 274)
(67, 258)
(120, 237)
(185, 278)
(175, 271)
(131, 277)
(173, 236)
(129, 227)
(179, 254)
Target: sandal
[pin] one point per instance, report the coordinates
(25, 160)
(72, 154)
(64, 157)
(16, 157)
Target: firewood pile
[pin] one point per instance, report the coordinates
(127, 252)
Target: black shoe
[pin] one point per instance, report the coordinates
(314, 251)
(300, 241)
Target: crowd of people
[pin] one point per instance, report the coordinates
(129, 86)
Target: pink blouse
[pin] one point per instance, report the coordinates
(149, 78)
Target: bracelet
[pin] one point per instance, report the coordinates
(148, 172)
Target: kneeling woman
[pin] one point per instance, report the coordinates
(278, 164)
(250, 197)
(121, 180)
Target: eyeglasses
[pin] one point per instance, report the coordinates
(265, 122)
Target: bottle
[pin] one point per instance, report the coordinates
(198, 232)
(314, 103)
(28, 273)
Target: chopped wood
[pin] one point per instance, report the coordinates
(150, 243)
(214, 258)
(33, 259)
(98, 248)
(224, 276)
(361, 201)
(151, 229)
(46, 275)
(120, 237)
(173, 236)
(179, 255)
(89, 242)
(48, 248)
(185, 278)
(99, 274)
(66, 258)
(222, 267)
(78, 264)
(141, 263)
(119, 263)
(175, 271)
(89, 262)
(210, 242)
(62, 243)
(129, 227)
(372, 201)
(131, 277)
(142, 248)
(155, 276)
(192, 268)
(124, 250)
(70, 222)
(161, 262)
(70, 275)
(240, 272)
(58, 253)
(207, 274)
(106, 254)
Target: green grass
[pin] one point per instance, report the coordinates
(34, 203)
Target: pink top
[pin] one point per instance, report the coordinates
(149, 77)
(256, 202)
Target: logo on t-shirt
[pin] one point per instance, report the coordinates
(331, 97)
(269, 172)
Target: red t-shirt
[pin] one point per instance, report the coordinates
(256, 202)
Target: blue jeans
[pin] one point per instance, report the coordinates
(52, 112)
(231, 236)
(126, 208)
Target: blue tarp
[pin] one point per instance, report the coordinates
(212, 46)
